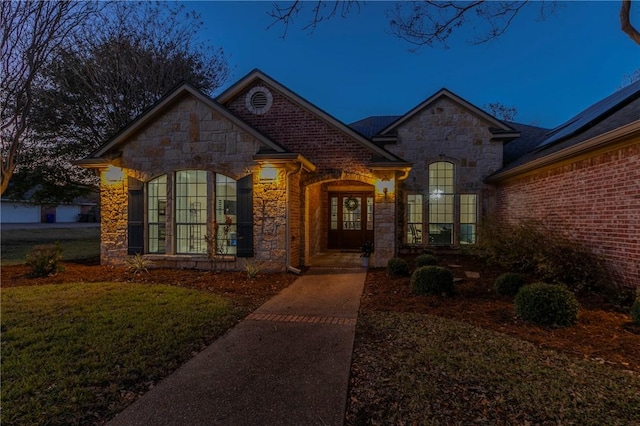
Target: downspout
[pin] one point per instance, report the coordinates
(287, 224)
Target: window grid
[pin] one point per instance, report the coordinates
(414, 219)
(156, 214)
(468, 218)
(191, 211)
(226, 215)
(441, 203)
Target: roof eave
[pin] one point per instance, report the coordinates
(284, 158)
(621, 133)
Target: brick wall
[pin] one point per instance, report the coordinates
(301, 131)
(594, 200)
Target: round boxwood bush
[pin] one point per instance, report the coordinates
(432, 280)
(547, 304)
(426, 260)
(508, 284)
(397, 267)
(635, 311)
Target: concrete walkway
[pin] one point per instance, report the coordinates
(287, 363)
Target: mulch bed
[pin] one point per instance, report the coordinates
(604, 333)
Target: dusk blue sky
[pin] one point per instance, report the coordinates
(352, 68)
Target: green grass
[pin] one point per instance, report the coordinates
(78, 353)
(419, 369)
(77, 243)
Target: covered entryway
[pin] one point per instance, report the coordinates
(350, 219)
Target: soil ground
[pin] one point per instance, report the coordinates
(604, 333)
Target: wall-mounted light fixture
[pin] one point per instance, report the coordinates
(268, 172)
(385, 186)
(113, 175)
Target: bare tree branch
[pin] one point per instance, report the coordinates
(321, 11)
(625, 22)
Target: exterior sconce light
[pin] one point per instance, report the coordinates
(385, 186)
(268, 173)
(113, 175)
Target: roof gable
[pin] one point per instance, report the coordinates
(257, 75)
(173, 97)
(500, 127)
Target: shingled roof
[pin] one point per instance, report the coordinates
(613, 112)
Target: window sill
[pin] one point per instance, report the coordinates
(189, 257)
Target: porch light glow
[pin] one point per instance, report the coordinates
(113, 175)
(268, 173)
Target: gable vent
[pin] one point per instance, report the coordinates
(258, 100)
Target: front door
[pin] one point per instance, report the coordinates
(350, 219)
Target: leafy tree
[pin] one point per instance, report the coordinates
(501, 111)
(429, 22)
(32, 32)
(134, 54)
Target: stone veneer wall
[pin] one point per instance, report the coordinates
(113, 222)
(445, 131)
(191, 135)
(593, 200)
(269, 220)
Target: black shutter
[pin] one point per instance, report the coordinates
(135, 218)
(245, 216)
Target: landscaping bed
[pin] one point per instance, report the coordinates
(604, 332)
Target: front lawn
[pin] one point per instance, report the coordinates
(413, 368)
(76, 243)
(79, 353)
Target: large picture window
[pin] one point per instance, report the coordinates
(183, 209)
(450, 217)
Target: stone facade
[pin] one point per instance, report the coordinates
(446, 131)
(290, 214)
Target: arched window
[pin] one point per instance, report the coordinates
(203, 204)
(441, 203)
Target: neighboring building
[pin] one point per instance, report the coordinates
(275, 179)
(12, 211)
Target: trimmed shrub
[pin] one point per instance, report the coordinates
(432, 280)
(44, 260)
(509, 283)
(635, 311)
(397, 267)
(547, 304)
(426, 260)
